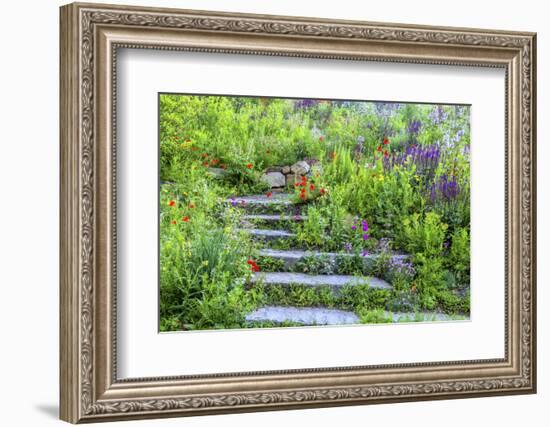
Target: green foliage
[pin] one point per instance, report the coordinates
(459, 255)
(216, 147)
(311, 232)
(315, 264)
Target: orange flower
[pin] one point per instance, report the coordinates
(249, 165)
(379, 149)
(204, 155)
(174, 222)
(205, 164)
(185, 219)
(172, 203)
(214, 162)
(296, 184)
(192, 205)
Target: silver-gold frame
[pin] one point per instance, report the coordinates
(90, 37)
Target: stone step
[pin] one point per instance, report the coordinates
(304, 316)
(261, 203)
(266, 234)
(334, 281)
(273, 218)
(291, 257)
(326, 316)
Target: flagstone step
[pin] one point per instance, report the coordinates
(291, 257)
(273, 218)
(261, 203)
(266, 234)
(304, 316)
(334, 281)
(326, 316)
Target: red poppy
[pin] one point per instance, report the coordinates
(255, 268)
(311, 187)
(386, 141)
(302, 196)
(174, 221)
(321, 138)
(385, 153)
(249, 165)
(205, 164)
(323, 191)
(296, 184)
(185, 219)
(172, 203)
(304, 179)
(214, 161)
(379, 149)
(269, 194)
(192, 205)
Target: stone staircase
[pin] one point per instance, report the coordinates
(267, 220)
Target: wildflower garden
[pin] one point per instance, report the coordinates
(299, 212)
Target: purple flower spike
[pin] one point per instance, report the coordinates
(365, 253)
(365, 236)
(233, 201)
(365, 225)
(353, 227)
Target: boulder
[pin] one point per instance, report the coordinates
(274, 179)
(300, 168)
(274, 169)
(286, 170)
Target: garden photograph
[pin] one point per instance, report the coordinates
(289, 212)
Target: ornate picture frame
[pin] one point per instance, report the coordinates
(90, 37)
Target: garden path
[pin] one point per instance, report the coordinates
(273, 214)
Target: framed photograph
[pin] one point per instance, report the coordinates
(267, 212)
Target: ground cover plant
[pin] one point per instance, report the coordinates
(293, 212)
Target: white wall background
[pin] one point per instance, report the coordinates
(29, 171)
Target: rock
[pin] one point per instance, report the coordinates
(300, 168)
(274, 179)
(334, 281)
(304, 316)
(274, 169)
(286, 170)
